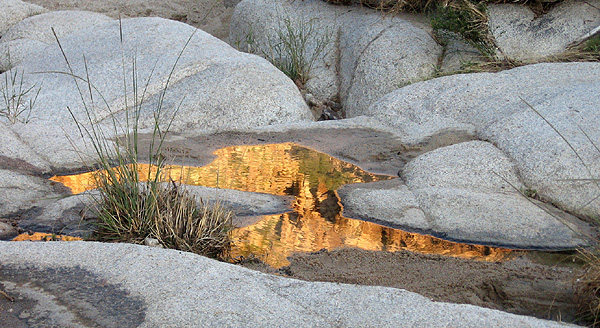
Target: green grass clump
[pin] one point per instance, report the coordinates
(294, 50)
(467, 19)
(593, 45)
(134, 204)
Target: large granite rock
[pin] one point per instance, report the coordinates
(76, 215)
(468, 192)
(33, 34)
(13, 11)
(40, 27)
(521, 35)
(471, 192)
(242, 203)
(496, 107)
(69, 215)
(213, 86)
(367, 55)
(16, 155)
(256, 27)
(132, 285)
(459, 54)
(211, 16)
(15, 51)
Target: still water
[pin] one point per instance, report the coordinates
(315, 221)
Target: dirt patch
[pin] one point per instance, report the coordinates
(519, 286)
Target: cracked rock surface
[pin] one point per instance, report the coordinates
(366, 54)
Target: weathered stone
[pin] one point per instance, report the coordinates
(366, 55)
(21, 192)
(7, 230)
(523, 36)
(379, 55)
(471, 192)
(389, 203)
(16, 155)
(13, 11)
(211, 16)
(15, 51)
(243, 203)
(40, 27)
(168, 287)
(257, 25)
(458, 53)
(213, 86)
(496, 106)
(72, 215)
(152, 242)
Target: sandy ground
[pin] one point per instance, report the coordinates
(212, 16)
(519, 286)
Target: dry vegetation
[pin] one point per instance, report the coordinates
(588, 289)
(133, 206)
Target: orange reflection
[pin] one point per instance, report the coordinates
(39, 236)
(315, 223)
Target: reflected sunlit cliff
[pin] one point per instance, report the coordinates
(315, 222)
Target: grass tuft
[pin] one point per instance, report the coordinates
(295, 48)
(587, 288)
(18, 100)
(134, 204)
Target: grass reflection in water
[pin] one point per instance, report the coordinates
(316, 222)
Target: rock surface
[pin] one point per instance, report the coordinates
(21, 192)
(13, 11)
(521, 35)
(213, 87)
(15, 51)
(69, 215)
(468, 197)
(458, 53)
(389, 203)
(243, 203)
(16, 155)
(7, 230)
(40, 27)
(157, 287)
(495, 106)
(365, 56)
(75, 215)
(211, 16)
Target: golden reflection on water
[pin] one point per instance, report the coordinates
(315, 222)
